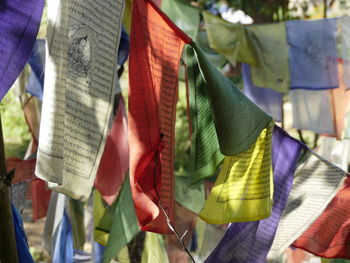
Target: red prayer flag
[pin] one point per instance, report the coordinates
(329, 235)
(40, 198)
(115, 159)
(155, 49)
(24, 169)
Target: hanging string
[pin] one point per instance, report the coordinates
(168, 221)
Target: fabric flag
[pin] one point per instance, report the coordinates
(244, 188)
(344, 50)
(270, 41)
(188, 194)
(123, 49)
(53, 218)
(184, 15)
(63, 250)
(80, 76)
(214, 57)
(19, 26)
(100, 209)
(154, 249)
(249, 242)
(208, 237)
(205, 148)
(156, 46)
(312, 54)
(238, 121)
(22, 247)
(329, 235)
(115, 158)
(36, 61)
(335, 151)
(268, 100)
(306, 202)
(230, 40)
(123, 225)
(334, 260)
(313, 110)
(340, 102)
(24, 174)
(40, 198)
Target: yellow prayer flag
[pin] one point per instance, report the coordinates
(244, 188)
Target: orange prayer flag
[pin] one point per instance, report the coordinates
(155, 49)
(329, 235)
(115, 158)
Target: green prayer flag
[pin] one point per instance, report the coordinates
(270, 41)
(230, 40)
(124, 226)
(185, 16)
(100, 209)
(238, 121)
(154, 249)
(334, 260)
(191, 196)
(76, 216)
(205, 149)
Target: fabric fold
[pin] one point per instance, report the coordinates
(244, 188)
(329, 235)
(115, 158)
(205, 149)
(249, 242)
(238, 121)
(268, 100)
(156, 47)
(312, 54)
(270, 41)
(233, 41)
(19, 26)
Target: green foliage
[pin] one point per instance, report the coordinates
(15, 130)
(182, 138)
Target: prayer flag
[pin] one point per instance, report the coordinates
(19, 26)
(249, 242)
(155, 50)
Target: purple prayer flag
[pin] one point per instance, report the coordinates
(19, 25)
(250, 242)
(268, 100)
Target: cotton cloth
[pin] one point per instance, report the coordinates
(123, 223)
(156, 47)
(306, 202)
(230, 40)
(313, 110)
(205, 149)
(184, 15)
(115, 158)
(340, 102)
(238, 121)
(312, 54)
(268, 100)
(36, 61)
(22, 247)
(344, 47)
(329, 235)
(250, 241)
(19, 26)
(270, 41)
(243, 190)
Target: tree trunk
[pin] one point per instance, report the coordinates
(8, 251)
